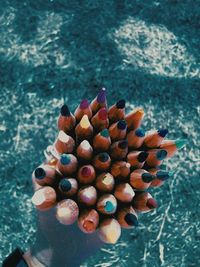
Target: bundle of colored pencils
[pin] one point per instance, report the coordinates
(100, 166)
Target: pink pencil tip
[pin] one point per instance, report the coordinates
(84, 104)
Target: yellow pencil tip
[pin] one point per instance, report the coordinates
(85, 123)
(107, 179)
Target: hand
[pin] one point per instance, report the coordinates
(59, 245)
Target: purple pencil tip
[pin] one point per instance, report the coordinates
(101, 98)
(84, 104)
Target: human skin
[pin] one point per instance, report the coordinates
(59, 245)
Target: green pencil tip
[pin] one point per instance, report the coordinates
(105, 133)
(180, 143)
(109, 206)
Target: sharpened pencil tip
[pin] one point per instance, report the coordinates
(109, 207)
(105, 133)
(101, 98)
(147, 177)
(121, 104)
(65, 111)
(103, 115)
(103, 157)
(151, 203)
(86, 171)
(40, 173)
(123, 144)
(65, 159)
(65, 185)
(131, 219)
(162, 132)
(180, 143)
(142, 156)
(85, 123)
(163, 175)
(139, 132)
(84, 104)
(121, 124)
(161, 154)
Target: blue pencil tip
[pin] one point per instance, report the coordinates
(121, 124)
(65, 159)
(139, 132)
(161, 154)
(65, 185)
(162, 132)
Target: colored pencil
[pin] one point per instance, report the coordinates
(67, 211)
(87, 195)
(134, 118)
(66, 120)
(127, 217)
(68, 186)
(86, 174)
(83, 130)
(99, 101)
(120, 169)
(119, 149)
(117, 130)
(45, 175)
(160, 177)
(154, 138)
(100, 120)
(137, 158)
(109, 231)
(102, 141)
(64, 143)
(124, 192)
(84, 151)
(172, 146)
(107, 204)
(44, 198)
(143, 202)
(141, 179)
(83, 109)
(88, 221)
(67, 164)
(117, 111)
(105, 182)
(156, 157)
(135, 138)
(102, 161)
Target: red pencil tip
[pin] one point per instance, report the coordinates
(151, 203)
(86, 171)
(103, 115)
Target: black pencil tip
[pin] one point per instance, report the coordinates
(40, 173)
(162, 132)
(121, 104)
(103, 157)
(147, 177)
(142, 156)
(131, 219)
(65, 185)
(65, 111)
(121, 124)
(123, 144)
